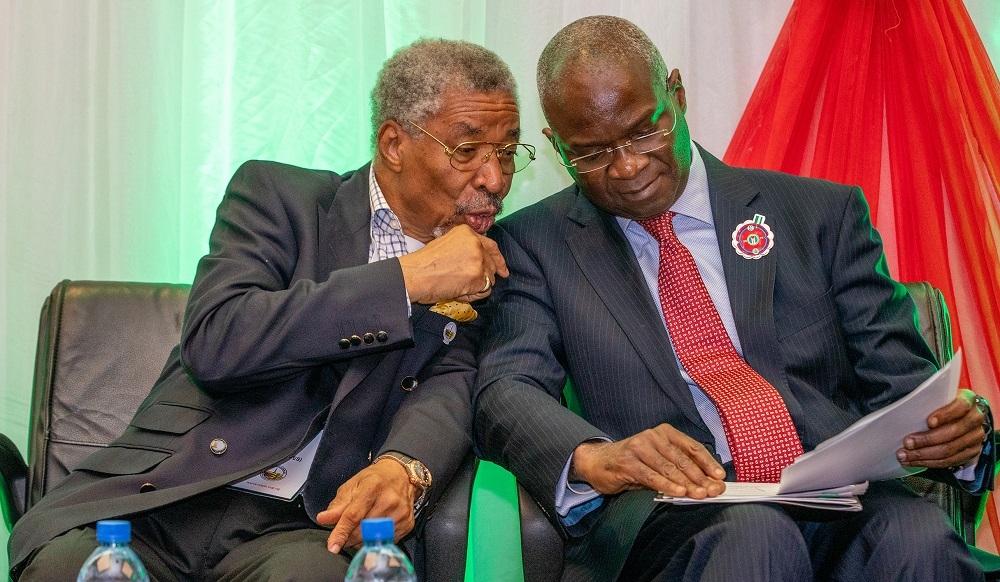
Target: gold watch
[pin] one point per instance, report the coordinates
(419, 474)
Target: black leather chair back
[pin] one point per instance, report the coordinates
(101, 346)
(935, 326)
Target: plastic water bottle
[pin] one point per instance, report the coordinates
(113, 560)
(379, 559)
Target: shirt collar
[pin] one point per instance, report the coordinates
(694, 201)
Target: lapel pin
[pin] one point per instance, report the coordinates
(753, 239)
(450, 331)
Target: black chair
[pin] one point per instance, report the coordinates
(540, 541)
(101, 346)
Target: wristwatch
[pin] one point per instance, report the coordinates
(419, 474)
(984, 408)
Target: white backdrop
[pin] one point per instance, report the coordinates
(121, 121)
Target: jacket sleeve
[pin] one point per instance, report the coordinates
(255, 315)
(520, 422)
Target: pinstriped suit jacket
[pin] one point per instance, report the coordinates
(259, 365)
(818, 317)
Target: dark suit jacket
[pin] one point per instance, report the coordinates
(261, 367)
(818, 317)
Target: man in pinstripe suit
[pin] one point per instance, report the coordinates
(816, 315)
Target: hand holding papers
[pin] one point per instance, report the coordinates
(840, 467)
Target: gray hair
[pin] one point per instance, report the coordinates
(410, 84)
(596, 38)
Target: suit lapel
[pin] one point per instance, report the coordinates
(608, 263)
(345, 237)
(750, 281)
(345, 228)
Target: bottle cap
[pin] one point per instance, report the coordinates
(376, 529)
(114, 531)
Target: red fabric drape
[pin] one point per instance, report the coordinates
(899, 97)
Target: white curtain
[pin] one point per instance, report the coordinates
(122, 120)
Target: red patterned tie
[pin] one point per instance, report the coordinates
(759, 430)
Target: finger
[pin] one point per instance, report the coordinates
(704, 464)
(954, 410)
(678, 464)
(347, 526)
(969, 444)
(970, 425)
(656, 463)
(498, 263)
(941, 459)
(332, 513)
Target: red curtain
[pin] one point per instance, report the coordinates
(900, 98)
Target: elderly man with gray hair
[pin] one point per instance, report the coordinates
(328, 350)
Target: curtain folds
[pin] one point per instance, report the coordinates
(898, 97)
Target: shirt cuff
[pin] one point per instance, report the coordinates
(568, 497)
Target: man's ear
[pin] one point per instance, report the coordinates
(675, 86)
(390, 144)
(547, 132)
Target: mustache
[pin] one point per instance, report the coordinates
(485, 201)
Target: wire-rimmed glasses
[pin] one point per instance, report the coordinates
(470, 155)
(637, 145)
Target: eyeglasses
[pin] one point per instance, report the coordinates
(637, 145)
(470, 155)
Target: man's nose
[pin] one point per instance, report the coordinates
(490, 176)
(626, 164)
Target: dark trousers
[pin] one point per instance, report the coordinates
(897, 536)
(220, 536)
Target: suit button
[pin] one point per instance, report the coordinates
(409, 383)
(355, 340)
(382, 337)
(344, 343)
(369, 338)
(218, 446)
(147, 487)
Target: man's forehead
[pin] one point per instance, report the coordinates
(473, 116)
(471, 129)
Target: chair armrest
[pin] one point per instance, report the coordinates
(15, 476)
(541, 544)
(446, 533)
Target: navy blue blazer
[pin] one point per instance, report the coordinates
(260, 364)
(819, 317)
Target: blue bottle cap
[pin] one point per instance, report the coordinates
(114, 531)
(376, 529)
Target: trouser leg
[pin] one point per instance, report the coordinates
(747, 542)
(62, 557)
(898, 536)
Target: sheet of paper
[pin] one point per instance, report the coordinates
(866, 450)
(283, 481)
(838, 499)
(836, 472)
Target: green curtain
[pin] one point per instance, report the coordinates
(122, 120)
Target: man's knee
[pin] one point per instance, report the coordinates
(913, 529)
(292, 556)
(749, 541)
(62, 557)
(759, 524)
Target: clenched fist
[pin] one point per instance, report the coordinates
(462, 264)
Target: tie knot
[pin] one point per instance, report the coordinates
(661, 227)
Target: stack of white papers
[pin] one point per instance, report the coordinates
(839, 468)
(841, 498)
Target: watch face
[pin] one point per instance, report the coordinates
(418, 471)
